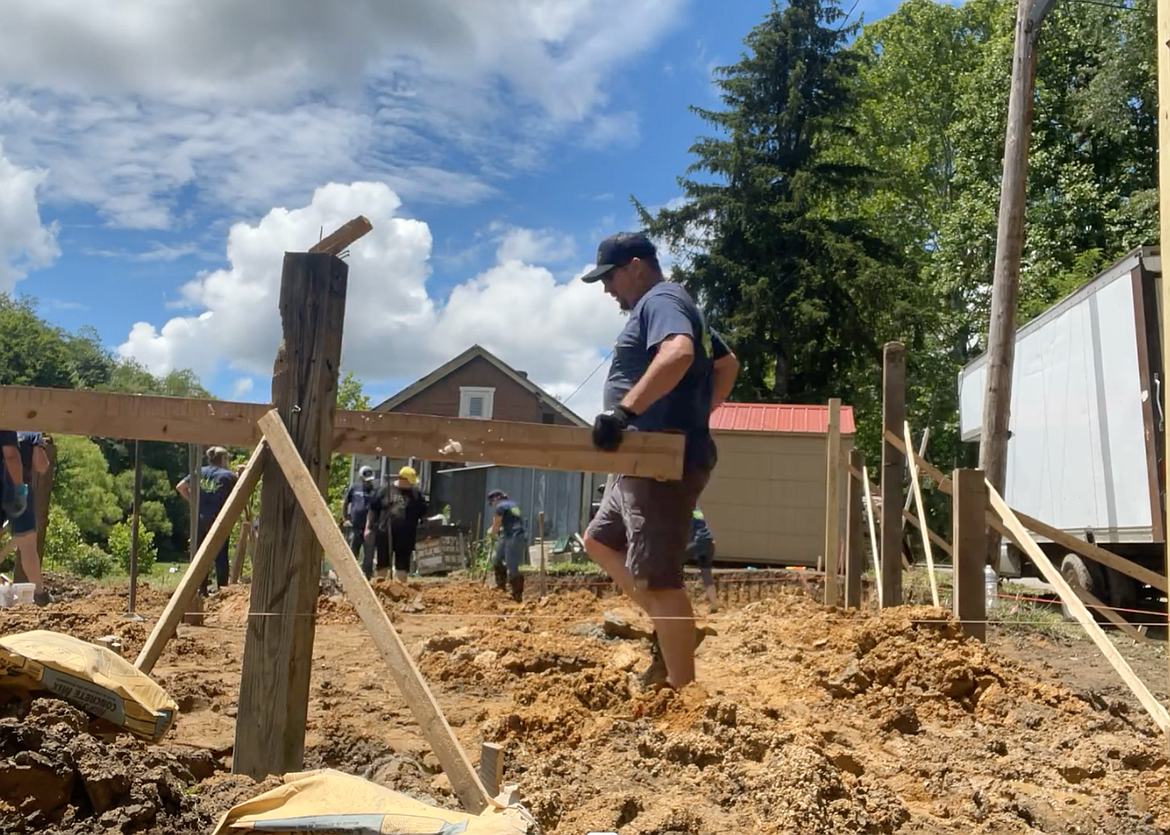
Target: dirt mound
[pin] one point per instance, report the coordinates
(57, 778)
(88, 612)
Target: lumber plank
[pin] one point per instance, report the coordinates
(935, 538)
(345, 235)
(409, 680)
(969, 532)
(391, 434)
(1113, 617)
(1025, 543)
(923, 528)
(833, 503)
(1065, 540)
(873, 540)
(188, 587)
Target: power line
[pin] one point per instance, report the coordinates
(587, 379)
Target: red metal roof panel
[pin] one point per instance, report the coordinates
(779, 417)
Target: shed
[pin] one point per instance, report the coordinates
(765, 502)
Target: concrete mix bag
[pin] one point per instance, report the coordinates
(333, 802)
(91, 678)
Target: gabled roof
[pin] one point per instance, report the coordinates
(461, 360)
(779, 417)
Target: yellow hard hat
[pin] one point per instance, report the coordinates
(408, 474)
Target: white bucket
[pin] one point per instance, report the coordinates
(7, 596)
(24, 592)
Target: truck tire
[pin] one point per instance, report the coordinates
(1123, 591)
(1082, 573)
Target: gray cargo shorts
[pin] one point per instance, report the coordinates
(650, 520)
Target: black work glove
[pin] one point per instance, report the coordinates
(609, 426)
(15, 501)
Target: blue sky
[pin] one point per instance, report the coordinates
(155, 165)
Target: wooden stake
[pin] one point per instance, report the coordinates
(491, 767)
(969, 601)
(925, 531)
(286, 570)
(347, 234)
(910, 495)
(907, 516)
(308, 493)
(134, 525)
(854, 548)
(188, 588)
(873, 540)
(241, 549)
(833, 502)
(543, 575)
(893, 416)
(1075, 605)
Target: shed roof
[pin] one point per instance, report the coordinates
(779, 417)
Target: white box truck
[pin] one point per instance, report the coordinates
(1085, 448)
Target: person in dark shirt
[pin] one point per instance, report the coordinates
(512, 545)
(394, 516)
(669, 372)
(215, 485)
(355, 507)
(702, 550)
(23, 526)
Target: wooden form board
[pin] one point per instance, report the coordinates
(1077, 606)
(833, 503)
(923, 528)
(1065, 540)
(409, 680)
(212, 541)
(389, 434)
(907, 516)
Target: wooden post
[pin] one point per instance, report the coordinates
(134, 524)
(969, 541)
(1163, 47)
(187, 591)
(194, 484)
(543, 575)
(286, 568)
(916, 491)
(833, 502)
(854, 536)
(41, 490)
(410, 683)
(241, 548)
(893, 416)
(491, 767)
(1009, 244)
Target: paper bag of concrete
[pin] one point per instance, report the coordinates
(330, 801)
(89, 677)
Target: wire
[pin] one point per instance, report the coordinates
(587, 379)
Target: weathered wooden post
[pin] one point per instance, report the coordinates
(833, 502)
(41, 489)
(135, 521)
(854, 538)
(970, 546)
(286, 567)
(893, 417)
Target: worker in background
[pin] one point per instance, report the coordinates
(355, 507)
(669, 372)
(13, 501)
(702, 550)
(512, 545)
(23, 526)
(395, 514)
(215, 485)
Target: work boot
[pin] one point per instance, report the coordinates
(501, 578)
(42, 598)
(655, 676)
(518, 588)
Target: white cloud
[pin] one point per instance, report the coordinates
(394, 327)
(134, 105)
(25, 243)
(242, 387)
(535, 246)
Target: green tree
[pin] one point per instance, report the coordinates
(120, 539)
(83, 487)
(350, 398)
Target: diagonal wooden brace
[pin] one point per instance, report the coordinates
(409, 680)
(213, 540)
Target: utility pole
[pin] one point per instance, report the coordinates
(1009, 245)
(1163, 45)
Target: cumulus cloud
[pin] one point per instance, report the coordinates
(132, 105)
(534, 246)
(26, 244)
(395, 328)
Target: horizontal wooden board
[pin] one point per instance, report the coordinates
(392, 434)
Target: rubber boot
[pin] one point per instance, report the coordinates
(501, 577)
(518, 588)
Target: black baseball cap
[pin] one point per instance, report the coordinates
(619, 250)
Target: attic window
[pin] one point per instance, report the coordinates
(476, 402)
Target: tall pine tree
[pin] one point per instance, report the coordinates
(769, 238)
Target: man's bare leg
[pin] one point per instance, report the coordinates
(30, 560)
(614, 563)
(674, 619)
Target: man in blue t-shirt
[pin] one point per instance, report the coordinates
(215, 485)
(356, 508)
(23, 524)
(512, 547)
(669, 372)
